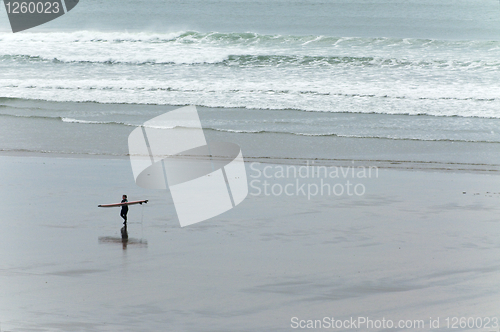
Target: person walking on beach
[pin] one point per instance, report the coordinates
(124, 210)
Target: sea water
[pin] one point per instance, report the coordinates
(391, 70)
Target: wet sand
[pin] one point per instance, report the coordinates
(414, 246)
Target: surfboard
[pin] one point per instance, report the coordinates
(121, 204)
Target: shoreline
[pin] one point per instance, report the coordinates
(102, 131)
(381, 164)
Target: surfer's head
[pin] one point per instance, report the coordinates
(124, 196)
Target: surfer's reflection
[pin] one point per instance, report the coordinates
(124, 240)
(124, 236)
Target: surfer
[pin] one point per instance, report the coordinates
(124, 210)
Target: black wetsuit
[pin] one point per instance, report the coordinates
(124, 211)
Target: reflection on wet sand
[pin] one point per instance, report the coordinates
(124, 240)
(124, 232)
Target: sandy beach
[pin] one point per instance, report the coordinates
(417, 244)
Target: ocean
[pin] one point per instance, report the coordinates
(376, 69)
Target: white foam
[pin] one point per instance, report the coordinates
(309, 73)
